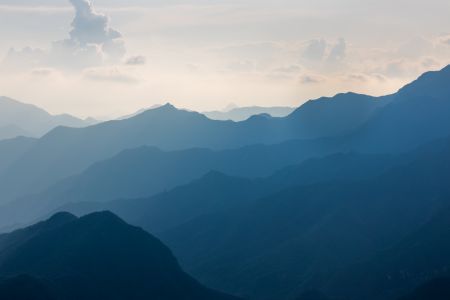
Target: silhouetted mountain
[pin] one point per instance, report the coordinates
(436, 289)
(336, 116)
(24, 287)
(94, 257)
(110, 180)
(394, 123)
(146, 171)
(67, 151)
(17, 118)
(213, 193)
(312, 295)
(417, 114)
(238, 114)
(391, 273)
(299, 238)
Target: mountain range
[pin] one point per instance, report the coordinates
(21, 119)
(356, 122)
(298, 227)
(345, 198)
(78, 148)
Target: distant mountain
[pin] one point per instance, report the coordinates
(95, 257)
(67, 151)
(395, 123)
(238, 114)
(155, 172)
(417, 114)
(20, 119)
(138, 112)
(12, 149)
(12, 131)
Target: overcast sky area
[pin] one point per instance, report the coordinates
(106, 58)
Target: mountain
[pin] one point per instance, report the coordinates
(299, 238)
(25, 287)
(312, 295)
(211, 194)
(417, 114)
(58, 154)
(12, 131)
(12, 149)
(94, 257)
(145, 171)
(394, 123)
(20, 119)
(436, 289)
(417, 258)
(154, 172)
(238, 114)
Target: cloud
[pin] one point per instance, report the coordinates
(357, 77)
(92, 42)
(415, 48)
(136, 60)
(24, 58)
(320, 53)
(311, 79)
(284, 72)
(445, 39)
(339, 51)
(292, 69)
(113, 74)
(42, 72)
(315, 50)
(242, 66)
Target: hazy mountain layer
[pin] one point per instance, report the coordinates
(20, 119)
(238, 114)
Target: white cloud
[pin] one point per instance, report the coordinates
(113, 74)
(136, 60)
(339, 51)
(311, 79)
(91, 42)
(315, 50)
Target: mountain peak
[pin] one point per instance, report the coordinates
(167, 106)
(61, 218)
(432, 84)
(104, 217)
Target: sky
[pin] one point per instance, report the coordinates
(107, 58)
